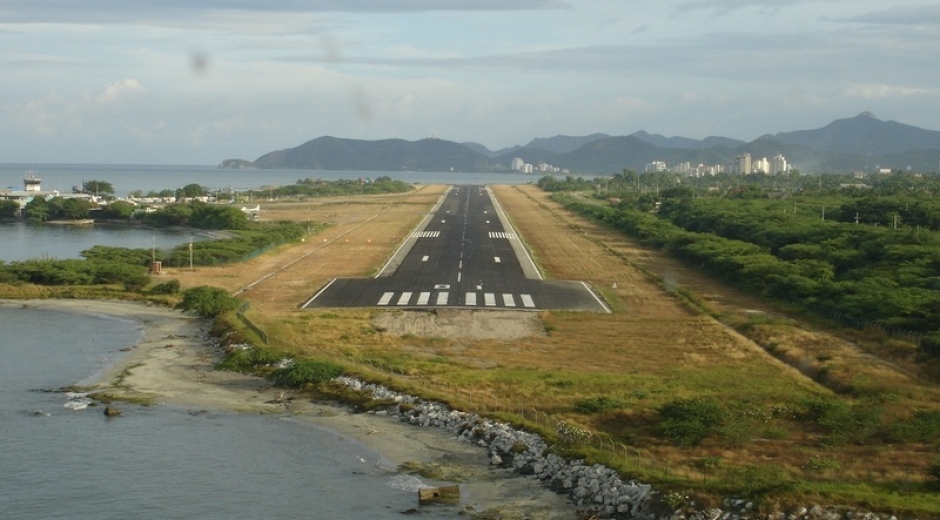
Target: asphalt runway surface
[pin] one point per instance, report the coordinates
(462, 255)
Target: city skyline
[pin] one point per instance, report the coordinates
(195, 83)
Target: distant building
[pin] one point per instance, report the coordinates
(741, 164)
(655, 166)
(761, 165)
(32, 188)
(517, 164)
(778, 164)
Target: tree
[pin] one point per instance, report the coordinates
(9, 208)
(75, 209)
(119, 210)
(207, 301)
(38, 210)
(97, 188)
(190, 191)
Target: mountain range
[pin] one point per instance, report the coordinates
(861, 143)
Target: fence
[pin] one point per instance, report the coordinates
(248, 323)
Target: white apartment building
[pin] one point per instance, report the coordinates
(655, 166)
(778, 164)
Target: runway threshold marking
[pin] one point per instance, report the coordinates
(424, 298)
(471, 298)
(404, 298)
(508, 300)
(442, 298)
(489, 299)
(527, 301)
(387, 297)
(425, 258)
(496, 259)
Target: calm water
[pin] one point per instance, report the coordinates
(24, 241)
(127, 178)
(161, 462)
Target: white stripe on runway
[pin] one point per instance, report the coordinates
(471, 298)
(508, 300)
(425, 258)
(527, 301)
(489, 299)
(387, 297)
(496, 259)
(403, 299)
(426, 234)
(423, 298)
(442, 298)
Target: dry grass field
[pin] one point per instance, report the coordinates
(654, 348)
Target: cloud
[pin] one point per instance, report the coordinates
(119, 11)
(120, 90)
(881, 91)
(898, 15)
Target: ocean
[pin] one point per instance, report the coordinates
(127, 178)
(61, 461)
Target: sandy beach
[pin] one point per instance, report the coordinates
(172, 365)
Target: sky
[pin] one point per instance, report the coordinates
(201, 81)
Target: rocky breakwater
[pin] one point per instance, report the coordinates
(597, 489)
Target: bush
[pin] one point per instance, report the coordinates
(596, 405)
(306, 373)
(168, 287)
(687, 422)
(249, 359)
(757, 481)
(207, 301)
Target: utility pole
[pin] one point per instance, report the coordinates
(190, 253)
(856, 217)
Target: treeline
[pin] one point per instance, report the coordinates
(320, 188)
(128, 267)
(199, 215)
(864, 274)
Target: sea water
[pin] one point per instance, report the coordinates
(62, 460)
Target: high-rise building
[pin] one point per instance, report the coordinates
(742, 164)
(779, 164)
(517, 164)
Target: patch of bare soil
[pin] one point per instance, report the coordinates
(499, 325)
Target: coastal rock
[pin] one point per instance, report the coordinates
(110, 411)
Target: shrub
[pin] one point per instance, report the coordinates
(306, 373)
(167, 287)
(207, 301)
(924, 426)
(249, 359)
(687, 422)
(757, 481)
(596, 405)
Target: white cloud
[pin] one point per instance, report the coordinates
(883, 91)
(118, 90)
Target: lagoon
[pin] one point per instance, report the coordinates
(25, 241)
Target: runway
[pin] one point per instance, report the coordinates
(464, 254)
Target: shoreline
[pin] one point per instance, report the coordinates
(172, 364)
